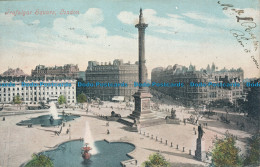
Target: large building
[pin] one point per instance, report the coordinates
(33, 90)
(114, 73)
(68, 70)
(189, 94)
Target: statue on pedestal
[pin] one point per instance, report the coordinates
(200, 132)
(198, 146)
(172, 119)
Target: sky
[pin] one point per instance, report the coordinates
(180, 32)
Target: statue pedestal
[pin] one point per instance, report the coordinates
(173, 121)
(142, 114)
(198, 150)
(142, 105)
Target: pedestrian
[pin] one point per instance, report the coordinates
(3, 118)
(56, 133)
(67, 131)
(108, 132)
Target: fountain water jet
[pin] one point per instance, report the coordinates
(89, 139)
(53, 111)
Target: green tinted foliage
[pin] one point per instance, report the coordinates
(81, 98)
(17, 100)
(40, 161)
(156, 160)
(61, 99)
(253, 157)
(225, 153)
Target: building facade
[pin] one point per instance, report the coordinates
(68, 70)
(114, 73)
(189, 94)
(33, 90)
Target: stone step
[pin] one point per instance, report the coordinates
(152, 122)
(146, 116)
(125, 122)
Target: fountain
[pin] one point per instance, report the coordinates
(52, 119)
(109, 154)
(53, 111)
(89, 139)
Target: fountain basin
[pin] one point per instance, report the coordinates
(109, 154)
(44, 120)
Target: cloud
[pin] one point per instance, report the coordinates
(174, 23)
(82, 26)
(79, 39)
(7, 20)
(127, 17)
(36, 22)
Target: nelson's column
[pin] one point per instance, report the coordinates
(142, 112)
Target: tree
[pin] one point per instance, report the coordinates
(156, 160)
(252, 104)
(40, 161)
(253, 157)
(17, 100)
(225, 153)
(61, 99)
(81, 98)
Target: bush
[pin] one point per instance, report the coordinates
(82, 98)
(225, 153)
(17, 100)
(156, 160)
(40, 161)
(253, 157)
(61, 100)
